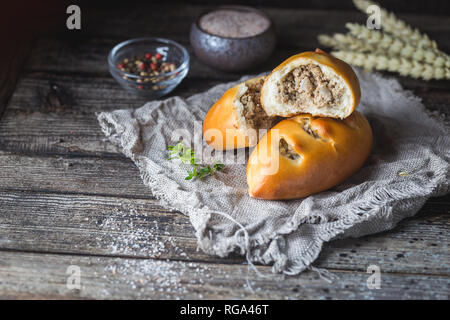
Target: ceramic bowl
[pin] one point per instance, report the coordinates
(232, 54)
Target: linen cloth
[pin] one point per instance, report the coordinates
(409, 163)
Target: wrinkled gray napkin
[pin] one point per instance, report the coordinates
(409, 163)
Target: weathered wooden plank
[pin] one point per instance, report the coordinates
(297, 29)
(426, 232)
(94, 225)
(119, 177)
(75, 94)
(46, 133)
(55, 114)
(57, 56)
(88, 56)
(12, 57)
(163, 20)
(101, 225)
(31, 275)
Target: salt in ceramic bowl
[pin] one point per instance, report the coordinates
(232, 54)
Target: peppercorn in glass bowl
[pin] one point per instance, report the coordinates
(149, 67)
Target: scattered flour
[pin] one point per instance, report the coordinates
(125, 231)
(152, 278)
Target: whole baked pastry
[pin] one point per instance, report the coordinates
(236, 119)
(305, 155)
(311, 82)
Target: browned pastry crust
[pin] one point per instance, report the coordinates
(235, 119)
(311, 82)
(313, 154)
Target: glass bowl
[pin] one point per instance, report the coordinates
(149, 86)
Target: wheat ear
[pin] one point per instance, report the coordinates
(405, 67)
(399, 28)
(345, 42)
(398, 47)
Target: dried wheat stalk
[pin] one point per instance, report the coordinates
(405, 67)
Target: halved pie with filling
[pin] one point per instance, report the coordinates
(311, 82)
(237, 119)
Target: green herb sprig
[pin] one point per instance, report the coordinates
(187, 156)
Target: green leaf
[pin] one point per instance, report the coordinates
(219, 166)
(204, 171)
(187, 156)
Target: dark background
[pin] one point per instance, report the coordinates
(414, 6)
(22, 21)
(29, 15)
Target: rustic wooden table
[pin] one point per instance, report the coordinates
(69, 198)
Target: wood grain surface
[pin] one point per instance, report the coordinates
(68, 197)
